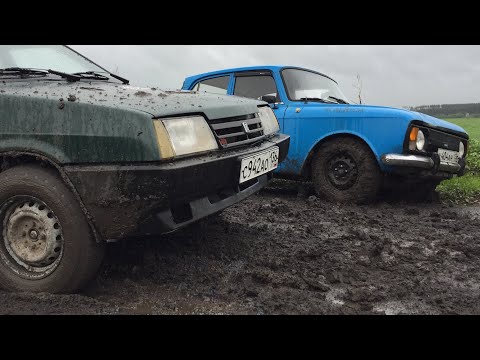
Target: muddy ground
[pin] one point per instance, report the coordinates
(280, 252)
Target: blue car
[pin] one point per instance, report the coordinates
(349, 151)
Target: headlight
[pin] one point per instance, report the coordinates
(461, 149)
(417, 139)
(420, 140)
(269, 120)
(183, 135)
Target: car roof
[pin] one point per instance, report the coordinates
(191, 79)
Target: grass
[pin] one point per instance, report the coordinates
(465, 189)
(461, 190)
(471, 125)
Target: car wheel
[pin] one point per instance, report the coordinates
(345, 170)
(45, 241)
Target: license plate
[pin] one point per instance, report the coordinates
(259, 164)
(448, 156)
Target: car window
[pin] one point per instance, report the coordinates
(307, 84)
(43, 59)
(218, 85)
(255, 86)
(55, 57)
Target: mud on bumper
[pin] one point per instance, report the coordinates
(126, 200)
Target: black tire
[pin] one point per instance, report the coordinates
(361, 177)
(78, 254)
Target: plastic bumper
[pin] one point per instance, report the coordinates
(126, 200)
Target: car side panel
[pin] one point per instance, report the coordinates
(74, 132)
(308, 125)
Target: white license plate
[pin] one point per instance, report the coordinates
(448, 156)
(259, 164)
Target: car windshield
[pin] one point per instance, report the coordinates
(56, 57)
(302, 84)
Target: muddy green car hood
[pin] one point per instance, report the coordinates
(98, 122)
(153, 101)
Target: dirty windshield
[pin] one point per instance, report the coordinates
(56, 57)
(301, 84)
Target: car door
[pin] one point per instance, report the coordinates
(255, 84)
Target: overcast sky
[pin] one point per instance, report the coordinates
(393, 75)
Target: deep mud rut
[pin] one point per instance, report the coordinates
(283, 253)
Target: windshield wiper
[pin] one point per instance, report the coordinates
(123, 80)
(316, 99)
(69, 77)
(91, 75)
(97, 76)
(341, 101)
(23, 72)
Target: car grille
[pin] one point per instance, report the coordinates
(233, 131)
(437, 139)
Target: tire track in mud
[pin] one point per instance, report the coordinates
(277, 253)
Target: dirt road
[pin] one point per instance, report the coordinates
(279, 253)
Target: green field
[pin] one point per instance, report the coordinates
(465, 189)
(471, 125)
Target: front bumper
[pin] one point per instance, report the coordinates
(432, 164)
(125, 200)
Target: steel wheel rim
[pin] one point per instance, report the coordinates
(32, 237)
(342, 171)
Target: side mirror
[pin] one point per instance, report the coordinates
(269, 98)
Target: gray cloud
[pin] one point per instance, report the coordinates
(394, 75)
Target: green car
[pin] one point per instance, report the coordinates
(85, 158)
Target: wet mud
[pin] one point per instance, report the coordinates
(284, 251)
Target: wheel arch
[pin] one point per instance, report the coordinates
(306, 170)
(12, 158)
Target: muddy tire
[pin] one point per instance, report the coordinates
(345, 170)
(45, 241)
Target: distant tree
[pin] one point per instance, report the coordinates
(358, 85)
(449, 110)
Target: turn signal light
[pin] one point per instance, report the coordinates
(413, 134)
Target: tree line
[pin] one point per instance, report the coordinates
(449, 110)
